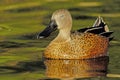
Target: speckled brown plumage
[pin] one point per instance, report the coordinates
(81, 46)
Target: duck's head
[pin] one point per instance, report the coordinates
(61, 20)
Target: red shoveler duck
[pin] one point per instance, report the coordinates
(84, 43)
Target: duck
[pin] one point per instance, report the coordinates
(85, 43)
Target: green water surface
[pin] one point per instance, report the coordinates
(22, 20)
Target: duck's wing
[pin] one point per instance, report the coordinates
(99, 27)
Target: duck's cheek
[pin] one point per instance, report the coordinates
(58, 27)
(58, 23)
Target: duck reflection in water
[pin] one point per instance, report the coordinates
(70, 69)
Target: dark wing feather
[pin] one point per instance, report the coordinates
(106, 34)
(99, 27)
(111, 38)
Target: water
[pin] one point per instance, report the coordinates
(20, 53)
(49, 69)
(88, 69)
(73, 69)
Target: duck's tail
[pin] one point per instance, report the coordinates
(99, 27)
(100, 23)
(104, 28)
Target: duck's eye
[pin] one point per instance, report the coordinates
(61, 16)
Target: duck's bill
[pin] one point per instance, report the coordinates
(48, 30)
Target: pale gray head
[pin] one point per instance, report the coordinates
(61, 19)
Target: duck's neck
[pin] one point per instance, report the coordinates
(63, 36)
